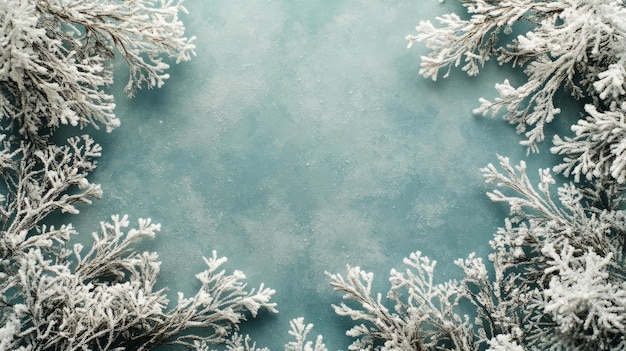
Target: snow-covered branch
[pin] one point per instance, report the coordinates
(300, 331)
(573, 44)
(55, 57)
(39, 182)
(537, 219)
(552, 253)
(424, 316)
(55, 62)
(54, 297)
(105, 299)
(599, 148)
(469, 42)
(585, 300)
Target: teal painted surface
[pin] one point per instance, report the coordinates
(299, 140)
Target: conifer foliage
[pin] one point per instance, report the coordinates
(55, 57)
(577, 45)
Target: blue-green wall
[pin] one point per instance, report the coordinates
(299, 140)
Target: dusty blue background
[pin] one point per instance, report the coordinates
(299, 140)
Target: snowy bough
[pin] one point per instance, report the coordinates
(56, 294)
(576, 45)
(559, 280)
(55, 57)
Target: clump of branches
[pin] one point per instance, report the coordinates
(559, 276)
(56, 56)
(55, 62)
(559, 281)
(55, 296)
(577, 45)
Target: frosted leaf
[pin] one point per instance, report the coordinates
(300, 332)
(504, 342)
(611, 82)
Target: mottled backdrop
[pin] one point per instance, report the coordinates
(301, 139)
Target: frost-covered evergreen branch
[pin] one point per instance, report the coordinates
(39, 181)
(572, 44)
(55, 57)
(559, 260)
(424, 316)
(578, 218)
(237, 342)
(300, 331)
(427, 315)
(599, 148)
(55, 61)
(567, 256)
(472, 41)
(62, 299)
(57, 298)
